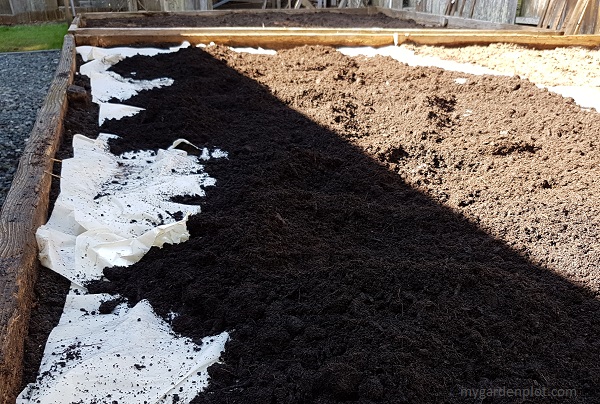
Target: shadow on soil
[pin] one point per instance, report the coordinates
(337, 281)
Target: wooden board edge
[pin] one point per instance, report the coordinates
(291, 31)
(288, 38)
(74, 24)
(535, 41)
(25, 209)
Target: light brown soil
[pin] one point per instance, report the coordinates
(555, 67)
(291, 18)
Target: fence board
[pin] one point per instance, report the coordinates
(532, 8)
(500, 11)
(5, 7)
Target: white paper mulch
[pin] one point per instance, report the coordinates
(111, 210)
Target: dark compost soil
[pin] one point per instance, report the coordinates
(261, 19)
(379, 232)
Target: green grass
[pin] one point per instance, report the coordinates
(21, 38)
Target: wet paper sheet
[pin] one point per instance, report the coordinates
(112, 209)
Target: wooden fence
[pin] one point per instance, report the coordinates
(502, 11)
(570, 16)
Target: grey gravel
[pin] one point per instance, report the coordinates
(24, 81)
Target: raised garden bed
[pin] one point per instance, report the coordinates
(372, 26)
(379, 232)
(354, 18)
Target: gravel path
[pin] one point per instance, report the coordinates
(24, 81)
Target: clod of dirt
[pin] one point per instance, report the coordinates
(107, 306)
(78, 96)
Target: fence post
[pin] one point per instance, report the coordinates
(68, 15)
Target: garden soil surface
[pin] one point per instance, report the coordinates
(257, 19)
(378, 233)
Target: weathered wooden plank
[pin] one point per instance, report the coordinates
(548, 13)
(68, 15)
(420, 18)
(467, 23)
(597, 28)
(559, 15)
(281, 38)
(569, 9)
(543, 13)
(188, 32)
(532, 8)
(448, 7)
(588, 25)
(150, 5)
(434, 6)
(532, 21)
(470, 9)
(24, 210)
(501, 11)
(573, 23)
(75, 23)
(454, 21)
(510, 11)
